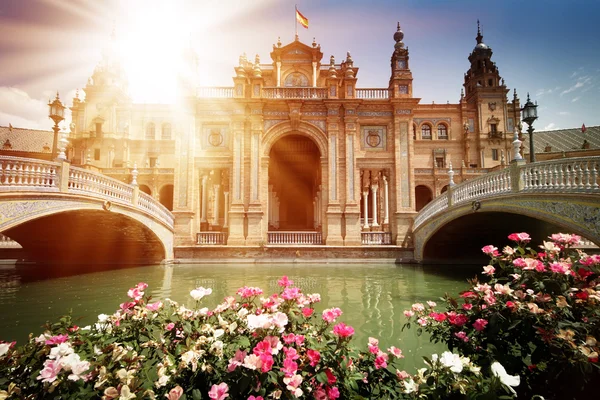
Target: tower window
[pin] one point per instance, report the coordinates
(96, 154)
(98, 129)
(442, 131)
(166, 132)
(493, 130)
(490, 82)
(150, 131)
(426, 131)
(495, 155)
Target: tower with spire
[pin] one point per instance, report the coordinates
(400, 84)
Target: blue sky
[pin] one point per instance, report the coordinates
(547, 48)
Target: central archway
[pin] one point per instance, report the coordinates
(294, 180)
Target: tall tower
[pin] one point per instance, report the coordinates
(487, 113)
(401, 78)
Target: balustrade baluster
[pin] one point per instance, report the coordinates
(595, 174)
(568, 176)
(587, 175)
(580, 183)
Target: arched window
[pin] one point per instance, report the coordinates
(166, 132)
(426, 131)
(150, 131)
(442, 131)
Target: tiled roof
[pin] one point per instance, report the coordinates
(29, 140)
(563, 139)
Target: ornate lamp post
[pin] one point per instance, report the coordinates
(530, 115)
(57, 113)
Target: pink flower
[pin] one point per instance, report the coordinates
(237, 360)
(285, 282)
(331, 379)
(290, 293)
(490, 250)
(50, 371)
(462, 336)
(467, 306)
(480, 324)
(342, 330)
(307, 312)
(314, 357)
(289, 367)
(255, 398)
(219, 392)
(170, 326)
(58, 339)
(127, 305)
(439, 317)
(266, 362)
(291, 353)
(135, 293)
(396, 352)
(456, 319)
(489, 270)
(154, 306)
(418, 307)
(381, 361)
(247, 292)
(565, 238)
(175, 393)
(262, 347)
(142, 286)
(520, 237)
(331, 314)
(373, 349)
(408, 313)
(422, 321)
(333, 393)
(402, 375)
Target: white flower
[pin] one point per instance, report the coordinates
(102, 318)
(61, 350)
(200, 292)
(451, 361)
(4, 348)
(258, 321)
(410, 386)
(508, 380)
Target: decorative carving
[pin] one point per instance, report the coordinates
(373, 137)
(270, 122)
(403, 112)
(433, 121)
(319, 123)
(492, 106)
(374, 113)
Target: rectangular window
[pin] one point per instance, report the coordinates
(493, 129)
(439, 162)
(510, 126)
(495, 155)
(98, 129)
(153, 162)
(96, 154)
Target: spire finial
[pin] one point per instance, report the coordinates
(479, 35)
(278, 41)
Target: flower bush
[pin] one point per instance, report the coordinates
(250, 346)
(537, 314)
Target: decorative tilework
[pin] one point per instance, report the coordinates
(373, 137)
(375, 113)
(402, 112)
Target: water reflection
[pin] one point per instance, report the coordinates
(372, 297)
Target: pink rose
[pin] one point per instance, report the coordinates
(154, 306)
(520, 237)
(342, 330)
(314, 357)
(331, 314)
(219, 392)
(58, 339)
(396, 352)
(480, 324)
(50, 371)
(490, 250)
(307, 312)
(175, 393)
(135, 293)
(285, 282)
(489, 270)
(170, 326)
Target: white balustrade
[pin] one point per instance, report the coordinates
(18, 174)
(211, 238)
(376, 238)
(26, 174)
(294, 93)
(296, 238)
(568, 175)
(215, 92)
(372, 93)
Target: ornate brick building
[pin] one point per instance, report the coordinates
(295, 152)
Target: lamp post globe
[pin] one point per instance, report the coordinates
(56, 112)
(529, 111)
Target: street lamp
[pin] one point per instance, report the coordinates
(530, 115)
(57, 113)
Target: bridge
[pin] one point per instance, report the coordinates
(539, 198)
(64, 214)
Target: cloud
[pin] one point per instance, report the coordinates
(564, 113)
(550, 126)
(20, 110)
(572, 88)
(575, 99)
(543, 92)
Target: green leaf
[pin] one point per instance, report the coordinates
(196, 395)
(322, 377)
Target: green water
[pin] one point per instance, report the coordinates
(372, 297)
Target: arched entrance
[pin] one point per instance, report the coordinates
(294, 180)
(146, 189)
(165, 196)
(423, 196)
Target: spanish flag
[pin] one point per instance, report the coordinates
(302, 19)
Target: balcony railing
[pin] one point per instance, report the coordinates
(297, 238)
(372, 94)
(376, 238)
(211, 238)
(294, 93)
(215, 92)
(495, 135)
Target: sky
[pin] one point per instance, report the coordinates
(547, 48)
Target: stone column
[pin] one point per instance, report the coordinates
(226, 210)
(314, 74)
(386, 202)
(278, 73)
(374, 189)
(237, 212)
(365, 195)
(255, 213)
(217, 189)
(204, 204)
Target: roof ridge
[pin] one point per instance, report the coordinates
(24, 129)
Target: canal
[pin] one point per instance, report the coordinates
(372, 296)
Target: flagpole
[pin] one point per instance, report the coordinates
(296, 19)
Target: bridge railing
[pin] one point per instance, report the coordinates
(568, 175)
(27, 174)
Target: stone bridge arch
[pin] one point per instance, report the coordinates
(537, 213)
(61, 227)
